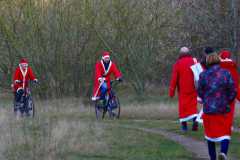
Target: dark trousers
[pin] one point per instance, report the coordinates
(194, 126)
(103, 90)
(20, 101)
(18, 95)
(212, 148)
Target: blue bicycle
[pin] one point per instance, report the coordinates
(109, 104)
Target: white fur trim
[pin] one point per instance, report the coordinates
(24, 64)
(197, 70)
(218, 139)
(24, 73)
(188, 118)
(95, 98)
(106, 56)
(96, 93)
(226, 60)
(109, 66)
(199, 117)
(19, 89)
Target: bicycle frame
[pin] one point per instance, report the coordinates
(110, 105)
(26, 104)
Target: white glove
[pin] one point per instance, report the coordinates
(101, 79)
(17, 81)
(94, 98)
(35, 80)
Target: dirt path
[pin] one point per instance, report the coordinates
(199, 148)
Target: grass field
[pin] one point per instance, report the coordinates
(67, 130)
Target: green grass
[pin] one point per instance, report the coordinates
(65, 129)
(174, 126)
(131, 145)
(81, 139)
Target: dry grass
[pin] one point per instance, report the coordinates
(62, 126)
(150, 111)
(47, 135)
(66, 126)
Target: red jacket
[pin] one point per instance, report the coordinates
(100, 71)
(182, 78)
(23, 77)
(218, 126)
(231, 66)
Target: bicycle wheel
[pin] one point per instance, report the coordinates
(16, 108)
(99, 109)
(31, 107)
(114, 108)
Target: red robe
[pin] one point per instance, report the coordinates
(182, 78)
(100, 71)
(219, 127)
(22, 76)
(238, 94)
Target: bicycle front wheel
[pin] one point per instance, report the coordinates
(31, 107)
(114, 108)
(99, 110)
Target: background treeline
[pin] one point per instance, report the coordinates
(63, 38)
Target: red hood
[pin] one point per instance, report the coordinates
(228, 64)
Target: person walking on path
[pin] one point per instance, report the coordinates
(217, 90)
(183, 79)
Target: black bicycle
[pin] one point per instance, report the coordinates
(110, 104)
(26, 106)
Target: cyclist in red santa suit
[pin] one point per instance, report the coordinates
(103, 71)
(23, 74)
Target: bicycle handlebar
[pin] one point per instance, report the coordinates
(115, 81)
(28, 81)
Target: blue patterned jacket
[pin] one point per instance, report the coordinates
(217, 90)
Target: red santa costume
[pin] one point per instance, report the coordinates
(183, 79)
(219, 127)
(104, 71)
(22, 75)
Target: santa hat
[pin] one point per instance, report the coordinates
(105, 55)
(184, 50)
(23, 61)
(225, 54)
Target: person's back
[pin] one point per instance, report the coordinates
(214, 89)
(182, 78)
(186, 79)
(217, 91)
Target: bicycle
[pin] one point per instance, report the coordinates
(110, 104)
(26, 105)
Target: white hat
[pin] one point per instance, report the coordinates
(184, 50)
